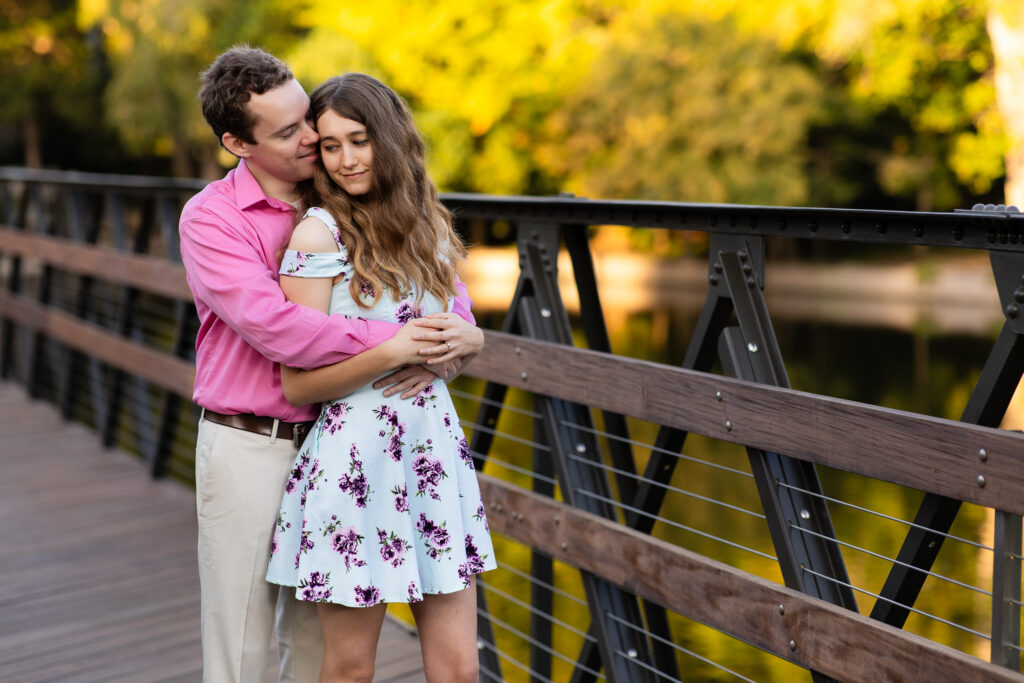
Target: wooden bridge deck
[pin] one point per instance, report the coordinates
(98, 577)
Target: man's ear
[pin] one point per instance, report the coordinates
(236, 145)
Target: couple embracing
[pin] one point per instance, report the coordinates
(332, 476)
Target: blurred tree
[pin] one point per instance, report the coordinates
(43, 69)
(927, 61)
(1006, 28)
(681, 108)
(157, 49)
(479, 76)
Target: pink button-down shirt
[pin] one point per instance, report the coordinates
(232, 240)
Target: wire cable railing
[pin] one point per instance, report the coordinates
(933, 617)
(678, 648)
(882, 515)
(703, 534)
(893, 560)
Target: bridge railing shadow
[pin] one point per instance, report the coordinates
(604, 573)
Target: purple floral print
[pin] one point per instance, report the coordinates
(366, 290)
(316, 474)
(297, 261)
(314, 588)
(420, 401)
(464, 453)
(346, 542)
(367, 597)
(407, 312)
(414, 592)
(395, 432)
(481, 516)
(280, 527)
(401, 498)
(354, 483)
(429, 471)
(474, 563)
(332, 416)
(392, 548)
(435, 536)
(305, 543)
(297, 474)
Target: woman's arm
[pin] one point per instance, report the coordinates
(332, 381)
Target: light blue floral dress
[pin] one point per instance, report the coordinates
(382, 504)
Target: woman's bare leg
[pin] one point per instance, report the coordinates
(350, 642)
(447, 628)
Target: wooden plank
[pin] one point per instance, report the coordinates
(164, 370)
(98, 572)
(927, 453)
(824, 637)
(148, 273)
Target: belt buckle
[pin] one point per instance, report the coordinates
(299, 431)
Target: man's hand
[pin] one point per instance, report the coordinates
(410, 380)
(446, 370)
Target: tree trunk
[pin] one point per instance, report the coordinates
(33, 142)
(1006, 31)
(181, 159)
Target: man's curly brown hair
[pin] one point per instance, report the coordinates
(230, 81)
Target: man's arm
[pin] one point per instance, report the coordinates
(462, 306)
(227, 272)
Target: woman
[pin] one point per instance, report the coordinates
(383, 504)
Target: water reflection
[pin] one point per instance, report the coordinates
(895, 337)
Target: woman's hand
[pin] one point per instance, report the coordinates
(452, 337)
(403, 348)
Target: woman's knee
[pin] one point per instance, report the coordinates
(454, 669)
(346, 670)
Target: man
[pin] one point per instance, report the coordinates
(232, 236)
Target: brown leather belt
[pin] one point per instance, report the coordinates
(294, 431)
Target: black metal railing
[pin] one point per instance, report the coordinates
(96, 318)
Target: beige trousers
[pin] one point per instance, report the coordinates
(240, 478)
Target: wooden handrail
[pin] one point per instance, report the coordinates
(148, 273)
(927, 453)
(807, 631)
(162, 369)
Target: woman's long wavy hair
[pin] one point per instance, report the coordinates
(398, 235)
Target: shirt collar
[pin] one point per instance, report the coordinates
(247, 191)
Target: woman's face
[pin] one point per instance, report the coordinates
(346, 152)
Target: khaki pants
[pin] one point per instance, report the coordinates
(240, 478)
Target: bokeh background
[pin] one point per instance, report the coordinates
(879, 104)
(909, 104)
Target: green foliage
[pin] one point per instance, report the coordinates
(890, 104)
(44, 72)
(158, 48)
(680, 108)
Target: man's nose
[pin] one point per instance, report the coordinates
(309, 135)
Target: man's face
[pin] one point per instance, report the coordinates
(286, 143)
